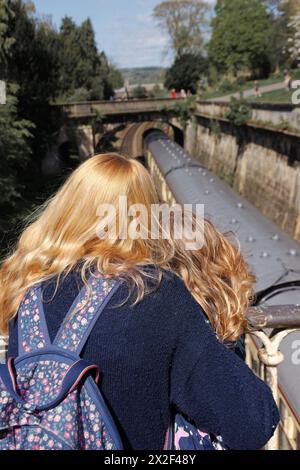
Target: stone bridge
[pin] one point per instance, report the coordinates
(120, 111)
(84, 123)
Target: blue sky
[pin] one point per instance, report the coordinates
(124, 29)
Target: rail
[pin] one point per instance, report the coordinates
(285, 316)
(284, 117)
(269, 326)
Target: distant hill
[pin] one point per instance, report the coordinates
(142, 76)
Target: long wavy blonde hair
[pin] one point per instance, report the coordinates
(62, 235)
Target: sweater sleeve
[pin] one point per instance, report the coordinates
(216, 390)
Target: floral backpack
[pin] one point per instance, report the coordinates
(49, 398)
(183, 435)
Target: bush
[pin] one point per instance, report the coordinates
(184, 110)
(226, 86)
(240, 81)
(139, 92)
(81, 94)
(239, 112)
(215, 127)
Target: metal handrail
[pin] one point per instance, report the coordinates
(278, 316)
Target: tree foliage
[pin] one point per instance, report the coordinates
(186, 73)
(14, 150)
(35, 45)
(58, 63)
(53, 66)
(281, 14)
(81, 66)
(294, 39)
(239, 112)
(6, 41)
(40, 65)
(186, 22)
(184, 111)
(14, 131)
(240, 36)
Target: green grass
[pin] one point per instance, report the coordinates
(278, 96)
(282, 97)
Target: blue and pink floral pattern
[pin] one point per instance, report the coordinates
(67, 428)
(187, 437)
(39, 382)
(79, 420)
(76, 324)
(32, 335)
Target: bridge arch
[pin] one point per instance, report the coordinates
(83, 119)
(133, 141)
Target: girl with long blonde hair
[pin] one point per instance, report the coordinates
(155, 347)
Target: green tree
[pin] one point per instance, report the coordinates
(14, 150)
(14, 131)
(83, 71)
(294, 41)
(89, 61)
(186, 73)
(115, 77)
(186, 23)
(281, 13)
(240, 37)
(106, 72)
(40, 65)
(35, 45)
(69, 55)
(290, 20)
(6, 41)
(33, 66)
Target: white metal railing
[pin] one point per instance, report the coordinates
(271, 325)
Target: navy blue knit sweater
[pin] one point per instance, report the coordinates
(162, 355)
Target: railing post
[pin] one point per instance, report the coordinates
(270, 357)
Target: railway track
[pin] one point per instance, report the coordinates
(133, 143)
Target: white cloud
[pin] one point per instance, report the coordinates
(140, 43)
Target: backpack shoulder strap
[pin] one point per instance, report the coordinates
(84, 313)
(32, 328)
